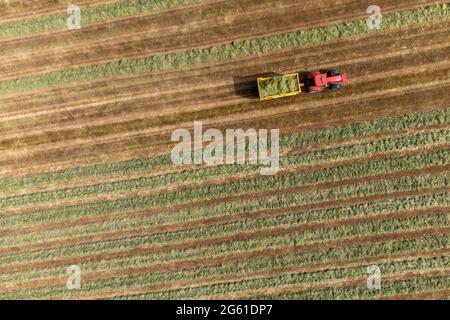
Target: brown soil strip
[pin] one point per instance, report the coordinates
(420, 296)
(23, 9)
(143, 141)
(366, 139)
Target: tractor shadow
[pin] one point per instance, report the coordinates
(247, 87)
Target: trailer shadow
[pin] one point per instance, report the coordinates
(246, 86)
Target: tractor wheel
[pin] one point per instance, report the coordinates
(335, 86)
(332, 73)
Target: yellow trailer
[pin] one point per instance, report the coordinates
(279, 86)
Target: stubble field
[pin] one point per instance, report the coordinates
(86, 177)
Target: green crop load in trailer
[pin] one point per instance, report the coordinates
(279, 86)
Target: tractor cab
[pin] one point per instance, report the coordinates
(332, 79)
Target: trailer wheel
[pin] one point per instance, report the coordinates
(332, 73)
(335, 86)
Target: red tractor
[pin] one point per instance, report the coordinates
(332, 79)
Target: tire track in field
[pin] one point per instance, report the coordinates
(35, 208)
(140, 130)
(316, 267)
(146, 13)
(368, 109)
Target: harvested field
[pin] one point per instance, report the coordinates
(87, 177)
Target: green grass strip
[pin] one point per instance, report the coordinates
(369, 128)
(58, 21)
(367, 209)
(91, 171)
(322, 235)
(409, 286)
(236, 49)
(313, 157)
(299, 259)
(241, 268)
(411, 121)
(259, 184)
(142, 241)
(426, 221)
(306, 278)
